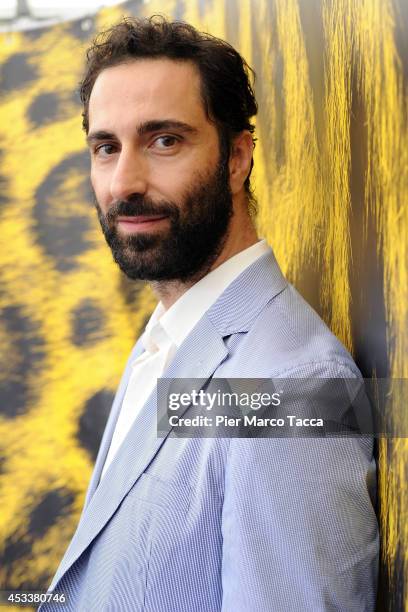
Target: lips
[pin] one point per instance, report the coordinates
(140, 223)
(141, 219)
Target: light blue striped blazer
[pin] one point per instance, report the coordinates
(231, 525)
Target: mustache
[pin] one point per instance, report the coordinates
(139, 205)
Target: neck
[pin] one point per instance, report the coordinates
(242, 234)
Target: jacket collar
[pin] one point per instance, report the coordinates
(242, 301)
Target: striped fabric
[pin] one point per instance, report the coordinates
(231, 525)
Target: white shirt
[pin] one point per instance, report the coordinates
(165, 332)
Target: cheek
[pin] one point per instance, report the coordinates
(168, 185)
(173, 180)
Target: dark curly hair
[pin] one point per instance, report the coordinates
(226, 91)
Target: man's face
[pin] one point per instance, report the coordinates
(160, 182)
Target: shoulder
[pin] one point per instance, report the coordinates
(292, 337)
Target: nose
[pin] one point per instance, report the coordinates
(129, 176)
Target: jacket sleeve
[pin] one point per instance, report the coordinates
(299, 528)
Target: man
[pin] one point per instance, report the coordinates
(186, 524)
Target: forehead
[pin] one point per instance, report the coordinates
(146, 89)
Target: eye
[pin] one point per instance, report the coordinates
(104, 149)
(166, 142)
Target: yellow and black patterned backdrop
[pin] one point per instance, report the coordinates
(331, 175)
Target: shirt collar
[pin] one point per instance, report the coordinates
(154, 337)
(178, 321)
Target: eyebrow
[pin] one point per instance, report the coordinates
(147, 127)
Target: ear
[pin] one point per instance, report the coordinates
(240, 160)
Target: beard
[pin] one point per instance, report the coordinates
(186, 251)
